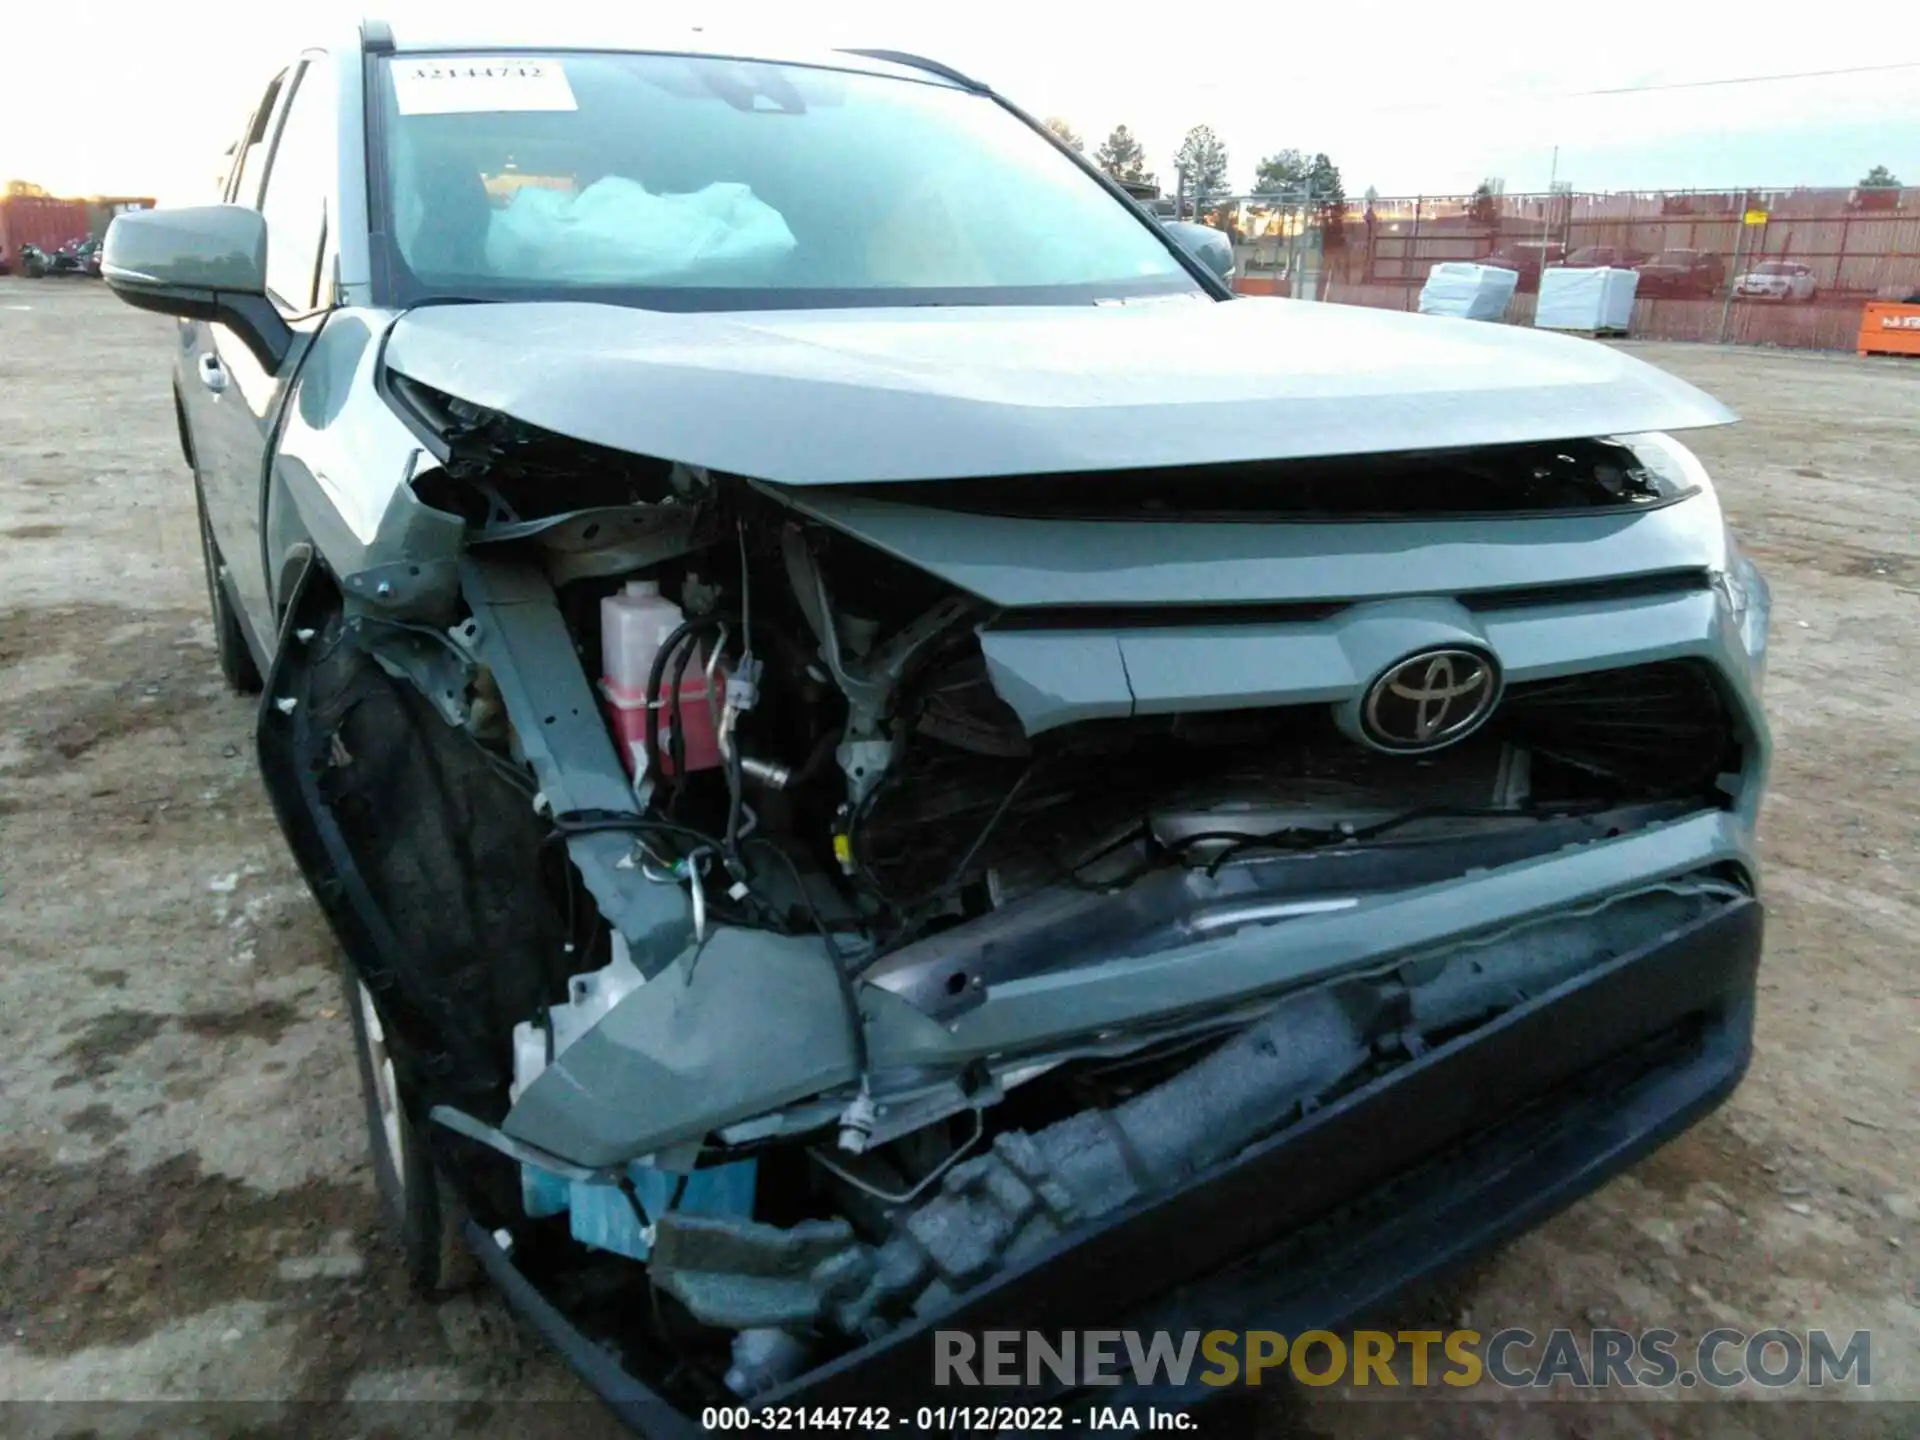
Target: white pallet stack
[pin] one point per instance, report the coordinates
(1466, 291)
(1594, 302)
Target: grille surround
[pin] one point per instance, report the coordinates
(1660, 731)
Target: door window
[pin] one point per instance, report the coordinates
(298, 184)
(244, 179)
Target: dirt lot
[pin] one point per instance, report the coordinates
(189, 1212)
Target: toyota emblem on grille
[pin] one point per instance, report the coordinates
(1430, 699)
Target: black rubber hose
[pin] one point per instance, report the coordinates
(676, 732)
(651, 696)
(681, 635)
(817, 760)
(736, 781)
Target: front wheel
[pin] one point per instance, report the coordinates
(422, 1213)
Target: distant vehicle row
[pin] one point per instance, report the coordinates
(76, 257)
(1669, 273)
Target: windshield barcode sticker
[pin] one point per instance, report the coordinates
(445, 86)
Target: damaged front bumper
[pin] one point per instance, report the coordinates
(1447, 1153)
(1102, 965)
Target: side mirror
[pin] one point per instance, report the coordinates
(199, 262)
(1212, 248)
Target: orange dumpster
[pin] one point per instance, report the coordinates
(1259, 285)
(1889, 328)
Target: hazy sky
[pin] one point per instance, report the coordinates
(104, 96)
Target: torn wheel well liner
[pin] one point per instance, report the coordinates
(417, 853)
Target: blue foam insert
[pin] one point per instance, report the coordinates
(602, 1215)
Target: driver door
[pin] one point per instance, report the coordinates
(285, 170)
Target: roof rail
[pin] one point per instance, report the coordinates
(376, 37)
(920, 62)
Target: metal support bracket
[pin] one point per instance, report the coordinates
(869, 683)
(607, 540)
(518, 633)
(430, 660)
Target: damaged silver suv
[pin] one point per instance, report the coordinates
(886, 755)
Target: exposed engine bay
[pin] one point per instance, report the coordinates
(799, 813)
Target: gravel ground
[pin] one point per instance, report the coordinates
(190, 1211)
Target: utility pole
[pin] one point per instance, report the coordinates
(1410, 256)
(1739, 236)
(1546, 215)
(1294, 285)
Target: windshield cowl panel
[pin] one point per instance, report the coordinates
(686, 182)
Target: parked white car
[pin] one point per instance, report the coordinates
(1776, 280)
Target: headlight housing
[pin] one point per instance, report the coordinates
(1749, 604)
(1742, 589)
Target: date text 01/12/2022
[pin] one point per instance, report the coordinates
(943, 1419)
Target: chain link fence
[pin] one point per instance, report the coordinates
(1755, 266)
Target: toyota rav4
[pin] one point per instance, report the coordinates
(883, 753)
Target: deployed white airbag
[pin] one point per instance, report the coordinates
(617, 232)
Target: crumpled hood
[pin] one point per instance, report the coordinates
(842, 396)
